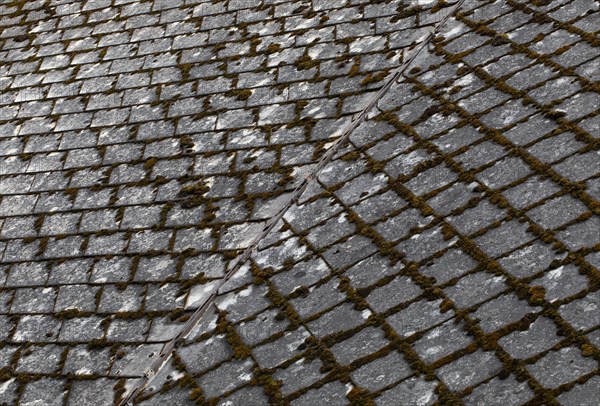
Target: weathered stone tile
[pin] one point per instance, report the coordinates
(504, 238)
(469, 370)
(33, 300)
(345, 318)
(477, 218)
(226, 377)
(475, 288)
(333, 393)
(382, 372)
(580, 394)
(300, 374)
(49, 391)
(276, 352)
(580, 235)
(86, 392)
(400, 290)
(134, 358)
(442, 341)
(123, 331)
(39, 359)
(318, 299)
(562, 366)
(417, 317)
(36, 328)
(529, 260)
(582, 314)
(248, 395)
(411, 391)
(500, 392)
(561, 282)
(114, 299)
(540, 336)
(501, 311)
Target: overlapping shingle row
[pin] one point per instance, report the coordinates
(448, 254)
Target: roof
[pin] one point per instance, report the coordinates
(310, 202)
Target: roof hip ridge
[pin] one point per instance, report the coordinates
(164, 355)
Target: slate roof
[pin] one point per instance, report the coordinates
(252, 202)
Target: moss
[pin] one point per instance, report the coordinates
(375, 166)
(554, 114)
(71, 193)
(373, 78)
(194, 194)
(455, 90)
(185, 71)
(305, 62)
(186, 143)
(271, 387)
(176, 314)
(71, 313)
(410, 11)
(350, 156)
(197, 395)
(280, 302)
(588, 350)
(6, 374)
(360, 397)
(272, 49)
(260, 275)
(355, 68)
(240, 349)
(239, 94)
(119, 389)
(149, 163)
(346, 41)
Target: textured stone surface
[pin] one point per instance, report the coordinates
(447, 254)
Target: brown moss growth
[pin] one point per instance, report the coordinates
(194, 194)
(239, 94)
(272, 49)
(360, 397)
(373, 78)
(305, 62)
(240, 349)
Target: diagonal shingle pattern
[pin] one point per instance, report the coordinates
(448, 254)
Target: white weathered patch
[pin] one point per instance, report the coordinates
(454, 31)
(228, 301)
(425, 399)
(176, 375)
(590, 307)
(4, 386)
(556, 273)
(294, 345)
(466, 80)
(83, 371)
(199, 293)
(246, 292)
(453, 241)
(245, 377)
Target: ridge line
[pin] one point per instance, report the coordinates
(357, 119)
